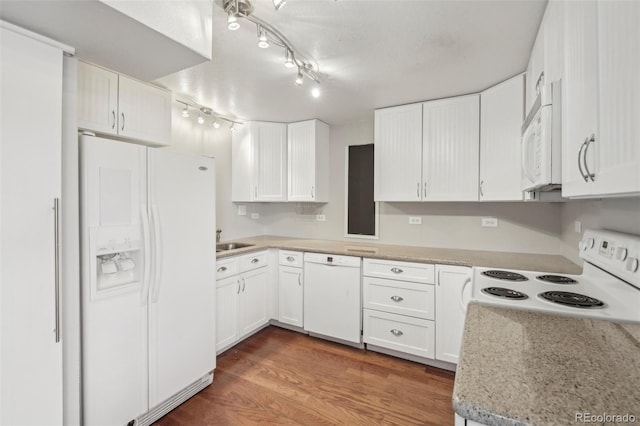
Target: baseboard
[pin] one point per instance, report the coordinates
(427, 361)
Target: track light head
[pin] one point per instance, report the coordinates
(288, 59)
(215, 124)
(185, 112)
(232, 22)
(299, 79)
(263, 43)
(279, 3)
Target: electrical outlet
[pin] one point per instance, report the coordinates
(490, 222)
(242, 210)
(415, 220)
(577, 226)
(255, 215)
(320, 218)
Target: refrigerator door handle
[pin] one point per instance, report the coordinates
(147, 254)
(157, 244)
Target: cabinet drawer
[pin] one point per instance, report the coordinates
(405, 271)
(290, 258)
(252, 261)
(404, 334)
(227, 267)
(399, 297)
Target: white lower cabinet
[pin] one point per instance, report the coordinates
(399, 332)
(453, 291)
(398, 313)
(242, 289)
(291, 289)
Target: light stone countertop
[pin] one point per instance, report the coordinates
(530, 368)
(444, 256)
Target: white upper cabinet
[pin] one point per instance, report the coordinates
(535, 69)
(502, 109)
(450, 149)
(259, 158)
(308, 161)
(109, 103)
(428, 151)
(601, 130)
(398, 153)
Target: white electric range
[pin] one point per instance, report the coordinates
(608, 288)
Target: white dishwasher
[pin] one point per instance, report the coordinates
(332, 296)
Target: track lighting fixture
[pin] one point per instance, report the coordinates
(267, 35)
(288, 59)
(232, 22)
(315, 91)
(204, 113)
(185, 111)
(263, 43)
(279, 3)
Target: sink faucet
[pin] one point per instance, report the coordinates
(218, 233)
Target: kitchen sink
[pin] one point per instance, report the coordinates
(231, 246)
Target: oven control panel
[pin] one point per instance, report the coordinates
(616, 253)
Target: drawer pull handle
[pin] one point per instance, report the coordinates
(396, 332)
(397, 298)
(290, 258)
(396, 270)
(222, 269)
(255, 260)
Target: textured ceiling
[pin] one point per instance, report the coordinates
(371, 54)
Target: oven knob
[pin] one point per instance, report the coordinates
(621, 253)
(587, 244)
(632, 264)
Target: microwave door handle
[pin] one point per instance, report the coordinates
(584, 144)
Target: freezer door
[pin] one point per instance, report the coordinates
(114, 311)
(182, 291)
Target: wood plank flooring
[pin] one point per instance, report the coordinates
(282, 377)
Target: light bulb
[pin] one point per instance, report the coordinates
(216, 125)
(232, 22)
(185, 112)
(315, 91)
(200, 120)
(263, 43)
(279, 3)
(288, 60)
(299, 79)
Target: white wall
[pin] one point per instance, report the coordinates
(189, 136)
(618, 214)
(523, 227)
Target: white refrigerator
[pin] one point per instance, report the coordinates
(148, 280)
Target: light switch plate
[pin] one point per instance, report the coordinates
(255, 215)
(242, 210)
(415, 220)
(320, 218)
(490, 222)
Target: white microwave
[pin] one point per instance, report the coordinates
(541, 142)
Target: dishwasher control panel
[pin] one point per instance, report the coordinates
(332, 259)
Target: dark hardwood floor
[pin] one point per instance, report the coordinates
(282, 377)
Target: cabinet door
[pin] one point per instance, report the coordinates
(554, 41)
(453, 291)
(97, 99)
(535, 69)
(290, 295)
(253, 300)
(617, 148)
(227, 291)
(451, 149)
(30, 154)
(580, 94)
(242, 168)
(144, 112)
(398, 153)
(500, 141)
(301, 141)
(270, 159)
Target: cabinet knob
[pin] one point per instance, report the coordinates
(396, 270)
(290, 258)
(255, 260)
(397, 298)
(222, 269)
(396, 332)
